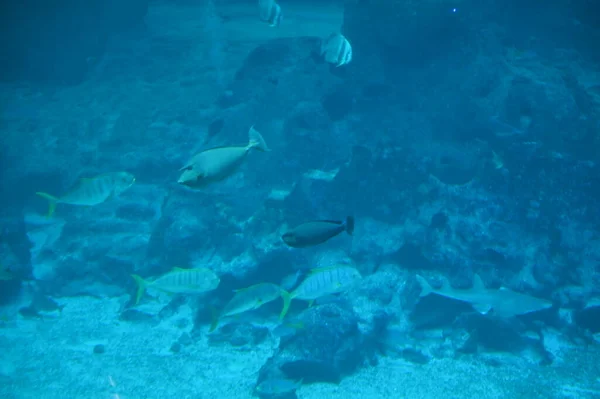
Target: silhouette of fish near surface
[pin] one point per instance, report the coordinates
(504, 302)
(217, 164)
(316, 232)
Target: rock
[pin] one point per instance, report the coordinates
(326, 349)
(99, 349)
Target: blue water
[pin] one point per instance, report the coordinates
(462, 136)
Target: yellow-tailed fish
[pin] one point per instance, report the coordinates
(324, 281)
(179, 281)
(217, 164)
(92, 191)
(251, 298)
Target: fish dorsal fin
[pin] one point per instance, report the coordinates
(179, 269)
(322, 269)
(482, 308)
(478, 283)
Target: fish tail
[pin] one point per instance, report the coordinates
(426, 288)
(350, 225)
(141, 287)
(214, 319)
(52, 201)
(256, 140)
(287, 300)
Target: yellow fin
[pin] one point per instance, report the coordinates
(287, 300)
(141, 287)
(52, 201)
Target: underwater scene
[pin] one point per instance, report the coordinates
(311, 199)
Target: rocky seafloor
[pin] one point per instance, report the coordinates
(463, 137)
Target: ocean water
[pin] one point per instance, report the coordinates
(418, 180)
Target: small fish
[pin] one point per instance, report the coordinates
(287, 329)
(323, 282)
(43, 303)
(270, 12)
(278, 387)
(497, 161)
(316, 232)
(217, 164)
(179, 281)
(504, 302)
(6, 274)
(92, 191)
(251, 298)
(336, 49)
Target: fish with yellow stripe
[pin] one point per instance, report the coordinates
(92, 191)
(322, 282)
(251, 298)
(179, 281)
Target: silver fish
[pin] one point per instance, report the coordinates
(504, 302)
(92, 191)
(217, 164)
(336, 49)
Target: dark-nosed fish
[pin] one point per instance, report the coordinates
(216, 164)
(270, 12)
(278, 387)
(503, 302)
(251, 298)
(92, 191)
(336, 49)
(316, 232)
(322, 282)
(179, 281)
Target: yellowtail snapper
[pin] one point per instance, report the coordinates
(322, 282)
(179, 281)
(251, 298)
(92, 191)
(316, 232)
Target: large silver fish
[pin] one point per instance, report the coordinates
(217, 164)
(92, 191)
(504, 302)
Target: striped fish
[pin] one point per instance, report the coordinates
(324, 281)
(92, 191)
(336, 49)
(270, 12)
(251, 298)
(179, 281)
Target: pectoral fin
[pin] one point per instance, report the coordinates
(482, 308)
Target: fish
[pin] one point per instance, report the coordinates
(504, 302)
(179, 281)
(278, 387)
(92, 191)
(43, 303)
(216, 164)
(287, 329)
(6, 274)
(316, 232)
(322, 282)
(251, 298)
(270, 12)
(336, 50)
(290, 281)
